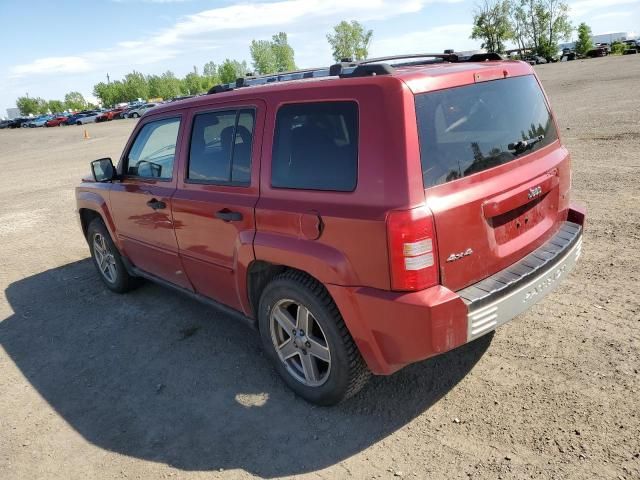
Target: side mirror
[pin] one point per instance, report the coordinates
(103, 170)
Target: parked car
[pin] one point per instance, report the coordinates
(56, 121)
(5, 124)
(181, 97)
(20, 122)
(356, 242)
(568, 54)
(138, 112)
(597, 52)
(536, 59)
(85, 118)
(39, 121)
(108, 115)
(71, 119)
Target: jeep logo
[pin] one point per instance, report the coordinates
(534, 192)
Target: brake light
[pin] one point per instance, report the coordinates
(412, 249)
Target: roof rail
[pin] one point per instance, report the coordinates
(450, 57)
(347, 68)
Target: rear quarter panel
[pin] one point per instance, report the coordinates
(352, 247)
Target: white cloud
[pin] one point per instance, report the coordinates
(602, 16)
(584, 7)
(53, 64)
(435, 40)
(168, 43)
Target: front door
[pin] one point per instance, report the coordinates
(214, 204)
(141, 202)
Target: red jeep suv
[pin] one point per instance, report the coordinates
(362, 217)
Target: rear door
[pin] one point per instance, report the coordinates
(218, 188)
(495, 175)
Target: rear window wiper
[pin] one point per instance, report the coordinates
(524, 145)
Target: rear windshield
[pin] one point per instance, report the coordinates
(469, 129)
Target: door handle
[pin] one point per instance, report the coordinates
(156, 204)
(228, 216)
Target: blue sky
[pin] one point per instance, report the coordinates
(52, 47)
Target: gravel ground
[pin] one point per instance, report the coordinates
(153, 385)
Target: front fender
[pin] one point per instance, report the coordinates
(97, 202)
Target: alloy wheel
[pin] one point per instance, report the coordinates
(300, 343)
(104, 258)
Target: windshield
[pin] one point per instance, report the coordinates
(465, 130)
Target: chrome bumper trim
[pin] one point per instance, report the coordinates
(499, 298)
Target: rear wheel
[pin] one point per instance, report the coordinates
(305, 336)
(107, 259)
(135, 115)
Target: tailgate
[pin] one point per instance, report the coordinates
(496, 178)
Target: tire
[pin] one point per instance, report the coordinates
(78, 123)
(135, 115)
(330, 382)
(115, 275)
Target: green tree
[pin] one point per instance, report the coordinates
(164, 86)
(55, 106)
(110, 93)
(230, 70)
(350, 40)
(135, 86)
(283, 53)
(74, 101)
(192, 83)
(546, 22)
(558, 26)
(27, 105)
(491, 24)
(584, 43)
(210, 69)
(618, 48)
(519, 25)
(263, 57)
(209, 76)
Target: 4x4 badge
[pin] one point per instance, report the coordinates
(534, 192)
(457, 256)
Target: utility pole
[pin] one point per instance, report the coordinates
(108, 79)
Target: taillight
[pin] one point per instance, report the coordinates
(412, 249)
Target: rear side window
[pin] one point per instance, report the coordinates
(469, 129)
(220, 149)
(316, 146)
(154, 149)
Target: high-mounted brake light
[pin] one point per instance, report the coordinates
(412, 249)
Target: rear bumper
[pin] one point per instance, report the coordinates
(497, 299)
(394, 329)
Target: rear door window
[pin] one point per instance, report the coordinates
(220, 150)
(316, 146)
(469, 129)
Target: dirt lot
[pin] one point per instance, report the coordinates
(152, 385)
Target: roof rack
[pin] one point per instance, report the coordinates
(347, 68)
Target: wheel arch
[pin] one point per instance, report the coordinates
(92, 205)
(260, 273)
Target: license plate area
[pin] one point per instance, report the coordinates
(518, 221)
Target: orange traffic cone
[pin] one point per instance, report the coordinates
(86, 134)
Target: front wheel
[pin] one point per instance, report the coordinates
(305, 336)
(107, 259)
